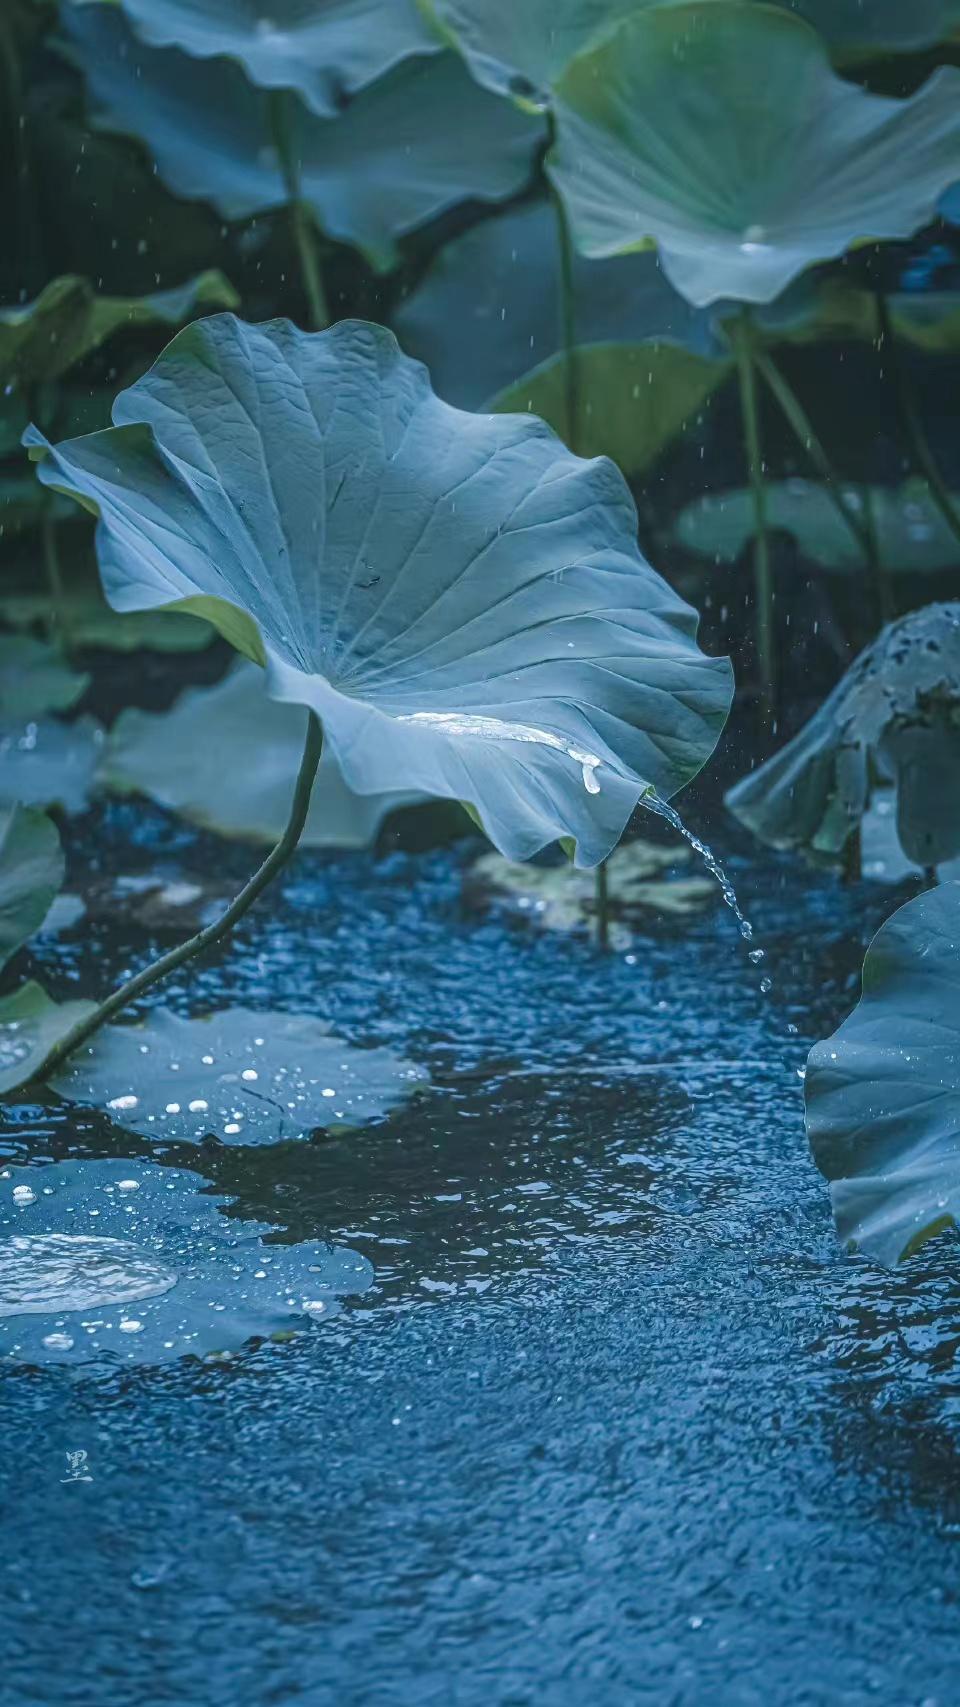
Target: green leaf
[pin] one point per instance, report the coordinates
(895, 717)
(460, 600)
(68, 321)
(883, 1094)
(720, 130)
(238, 779)
(239, 1076)
(149, 1255)
(35, 678)
(418, 141)
(31, 874)
(910, 530)
(84, 615)
(30, 1025)
(633, 399)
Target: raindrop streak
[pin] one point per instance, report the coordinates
(654, 803)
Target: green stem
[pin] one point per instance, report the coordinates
(568, 325)
(27, 223)
(302, 221)
(135, 987)
(51, 565)
(744, 349)
(601, 897)
(911, 421)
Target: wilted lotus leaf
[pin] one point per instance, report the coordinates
(420, 140)
(35, 678)
(883, 1094)
(721, 131)
(632, 399)
(240, 1076)
(325, 51)
(460, 600)
(488, 308)
(910, 530)
(48, 763)
(895, 717)
(67, 321)
(560, 898)
(31, 873)
(239, 779)
(30, 1025)
(121, 1262)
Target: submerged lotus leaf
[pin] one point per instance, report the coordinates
(239, 1076)
(68, 320)
(460, 600)
(910, 530)
(417, 142)
(120, 1262)
(35, 678)
(632, 399)
(895, 717)
(720, 131)
(31, 873)
(30, 1025)
(324, 50)
(883, 1094)
(488, 308)
(239, 778)
(47, 762)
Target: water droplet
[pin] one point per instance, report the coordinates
(654, 803)
(58, 1342)
(122, 1102)
(128, 1185)
(22, 1195)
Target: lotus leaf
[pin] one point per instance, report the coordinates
(883, 1094)
(324, 51)
(48, 763)
(894, 717)
(460, 600)
(633, 399)
(910, 530)
(419, 141)
(35, 678)
(240, 1076)
(85, 617)
(31, 873)
(67, 321)
(238, 780)
(30, 1025)
(720, 130)
(121, 1262)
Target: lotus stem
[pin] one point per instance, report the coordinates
(51, 567)
(911, 419)
(274, 862)
(602, 904)
(744, 348)
(302, 222)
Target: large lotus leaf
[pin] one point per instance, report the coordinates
(883, 1094)
(720, 131)
(68, 320)
(460, 599)
(35, 678)
(31, 873)
(862, 27)
(488, 308)
(910, 530)
(30, 1025)
(238, 777)
(120, 1262)
(324, 49)
(48, 762)
(240, 1076)
(632, 399)
(895, 716)
(417, 142)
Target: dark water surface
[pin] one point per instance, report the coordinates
(618, 1421)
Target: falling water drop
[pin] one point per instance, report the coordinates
(653, 801)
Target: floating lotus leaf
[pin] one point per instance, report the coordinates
(67, 321)
(720, 131)
(894, 717)
(31, 873)
(910, 531)
(48, 763)
(324, 51)
(239, 779)
(488, 308)
(419, 141)
(883, 1094)
(460, 599)
(121, 1262)
(30, 1025)
(35, 678)
(633, 399)
(239, 1076)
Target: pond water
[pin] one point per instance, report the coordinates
(617, 1420)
